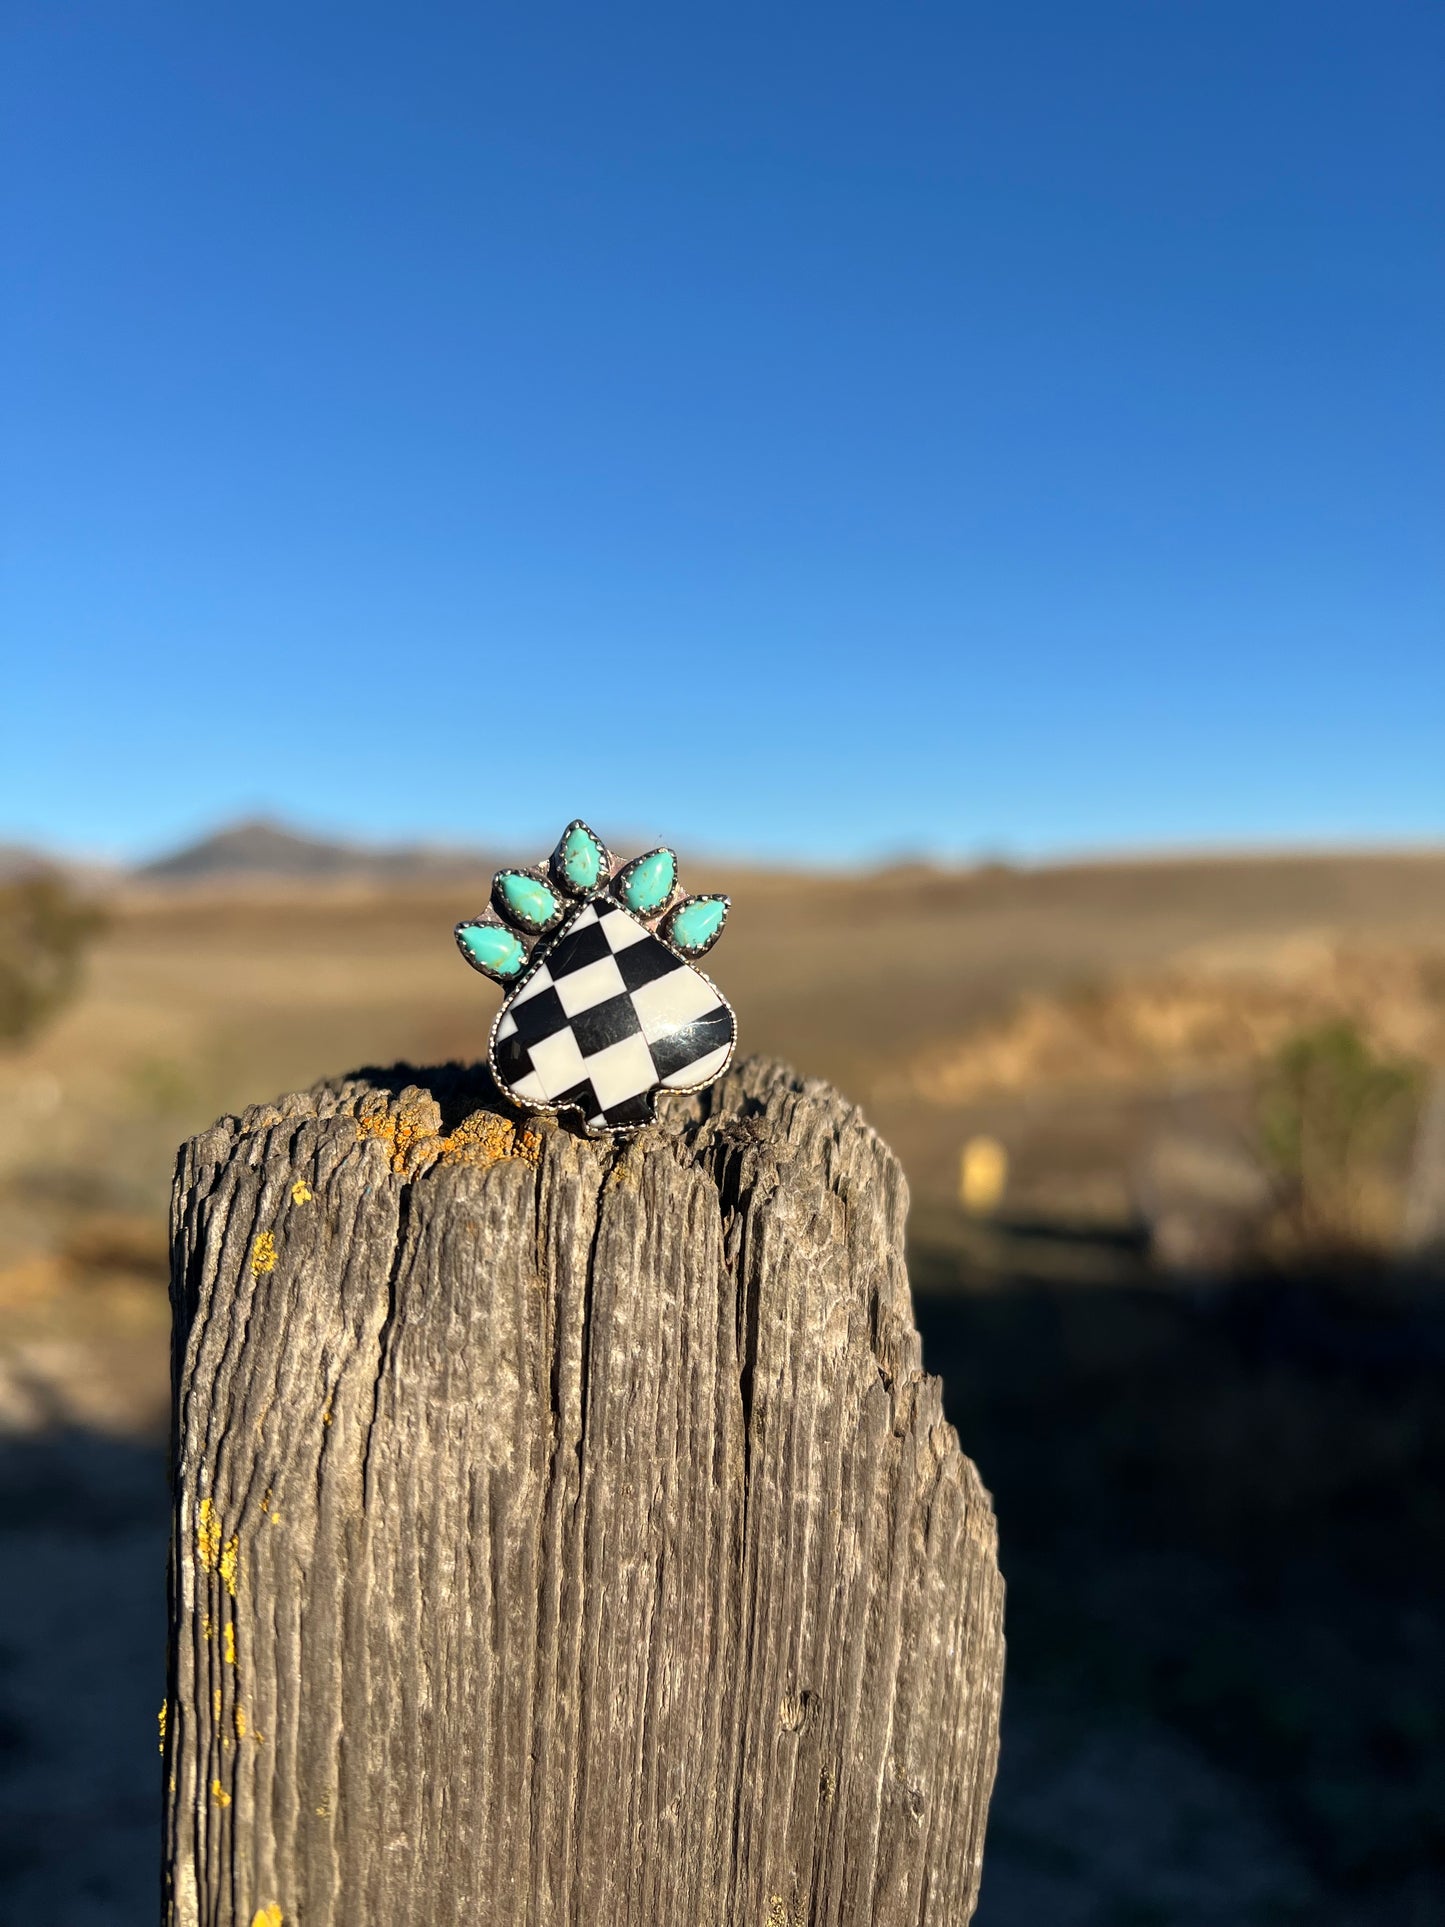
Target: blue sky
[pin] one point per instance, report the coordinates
(823, 431)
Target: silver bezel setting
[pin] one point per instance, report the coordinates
(700, 896)
(489, 920)
(539, 874)
(649, 918)
(553, 866)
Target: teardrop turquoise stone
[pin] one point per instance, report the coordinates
(694, 925)
(527, 899)
(494, 948)
(581, 859)
(649, 882)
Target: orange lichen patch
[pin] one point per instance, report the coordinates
(404, 1132)
(229, 1563)
(484, 1138)
(219, 1794)
(271, 1916)
(228, 1642)
(263, 1254)
(481, 1139)
(239, 1720)
(301, 1192)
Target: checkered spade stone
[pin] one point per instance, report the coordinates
(606, 1017)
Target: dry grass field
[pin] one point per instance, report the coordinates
(1210, 1490)
(1073, 1013)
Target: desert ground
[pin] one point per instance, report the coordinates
(1216, 1458)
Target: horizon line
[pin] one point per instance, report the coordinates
(994, 853)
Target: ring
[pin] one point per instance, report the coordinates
(607, 1008)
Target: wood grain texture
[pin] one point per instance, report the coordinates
(565, 1532)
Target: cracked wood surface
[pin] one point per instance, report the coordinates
(565, 1532)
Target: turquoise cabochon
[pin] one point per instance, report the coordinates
(696, 924)
(493, 949)
(525, 900)
(648, 881)
(579, 862)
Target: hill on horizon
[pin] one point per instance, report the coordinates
(264, 849)
(260, 847)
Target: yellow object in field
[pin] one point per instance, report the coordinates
(982, 1175)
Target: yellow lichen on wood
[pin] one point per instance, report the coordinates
(271, 1916)
(208, 1535)
(229, 1563)
(301, 1192)
(626, 1172)
(161, 1723)
(263, 1253)
(228, 1642)
(238, 1720)
(219, 1794)
(782, 1913)
(216, 1703)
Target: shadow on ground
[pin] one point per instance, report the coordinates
(83, 1525)
(1218, 1513)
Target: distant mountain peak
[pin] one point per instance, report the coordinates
(261, 847)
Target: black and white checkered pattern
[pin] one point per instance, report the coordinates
(609, 1016)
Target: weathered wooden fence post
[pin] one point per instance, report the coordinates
(565, 1532)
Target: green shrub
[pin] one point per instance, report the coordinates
(1335, 1123)
(45, 929)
